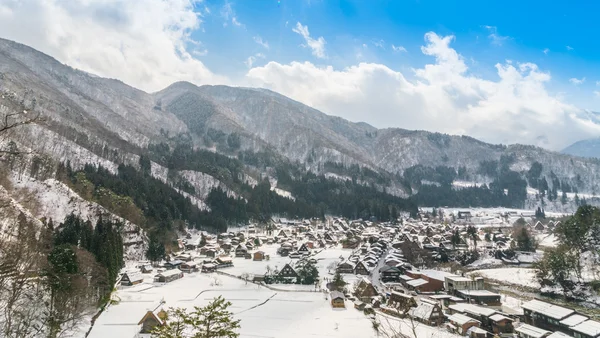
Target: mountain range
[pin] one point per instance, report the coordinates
(584, 148)
(88, 119)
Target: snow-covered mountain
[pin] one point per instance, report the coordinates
(301, 133)
(584, 148)
(89, 119)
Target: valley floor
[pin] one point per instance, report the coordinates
(265, 311)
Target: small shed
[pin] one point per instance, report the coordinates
(209, 267)
(168, 276)
(501, 324)
(258, 256)
(463, 323)
(337, 299)
(189, 267)
(151, 320)
(241, 250)
(211, 253)
(174, 264)
(146, 268)
(131, 278)
(224, 261)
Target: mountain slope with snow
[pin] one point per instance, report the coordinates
(89, 119)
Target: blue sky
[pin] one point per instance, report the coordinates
(502, 71)
(522, 30)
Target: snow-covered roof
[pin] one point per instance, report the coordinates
(169, 273)
(589, 327)
(440, 296)
(422, 311)
(336, 294)
(473, 309)
(436, 274)
(478, 293)
(454, 278)
(574, 320)
(498, 317)
(134, 276)
(531, 331)
(417, 282)
(461, 319)
(174, 262)
(547, 309)
(559, 334)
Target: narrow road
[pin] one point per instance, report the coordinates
(375, 278)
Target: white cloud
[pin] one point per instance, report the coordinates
(251, 59)
(597, 93)
(577, 81)
(379, 44)
(228, 14)
(148, 44)
(398, 48)
(496, 38)
(197, 52)
(597, 83)
(317, 45)
(261, 42)
(546, 51)
(145, 43)
(569, 48)
(443, 97)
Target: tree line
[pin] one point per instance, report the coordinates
(52, 278)
(569, 265)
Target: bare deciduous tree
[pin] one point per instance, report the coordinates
(12, 116)
(22, 255)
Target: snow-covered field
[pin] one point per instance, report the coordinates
(324, 257)
(514, 276)
(263, 312)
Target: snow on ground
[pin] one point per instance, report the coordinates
(487, 262)
(466, 184)
(263, 312)
(513, 276)
(56, 201)
(547, 240)
(324, 257)
(159, 172)
(203, 183)
(45, 141)
(512, 305)
(337, 177)
(501, 210)
(283, 193)
(392, 325)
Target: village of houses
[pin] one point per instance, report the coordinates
(387, 285)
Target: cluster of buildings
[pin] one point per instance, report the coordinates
(385, 257)
(462, 305)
